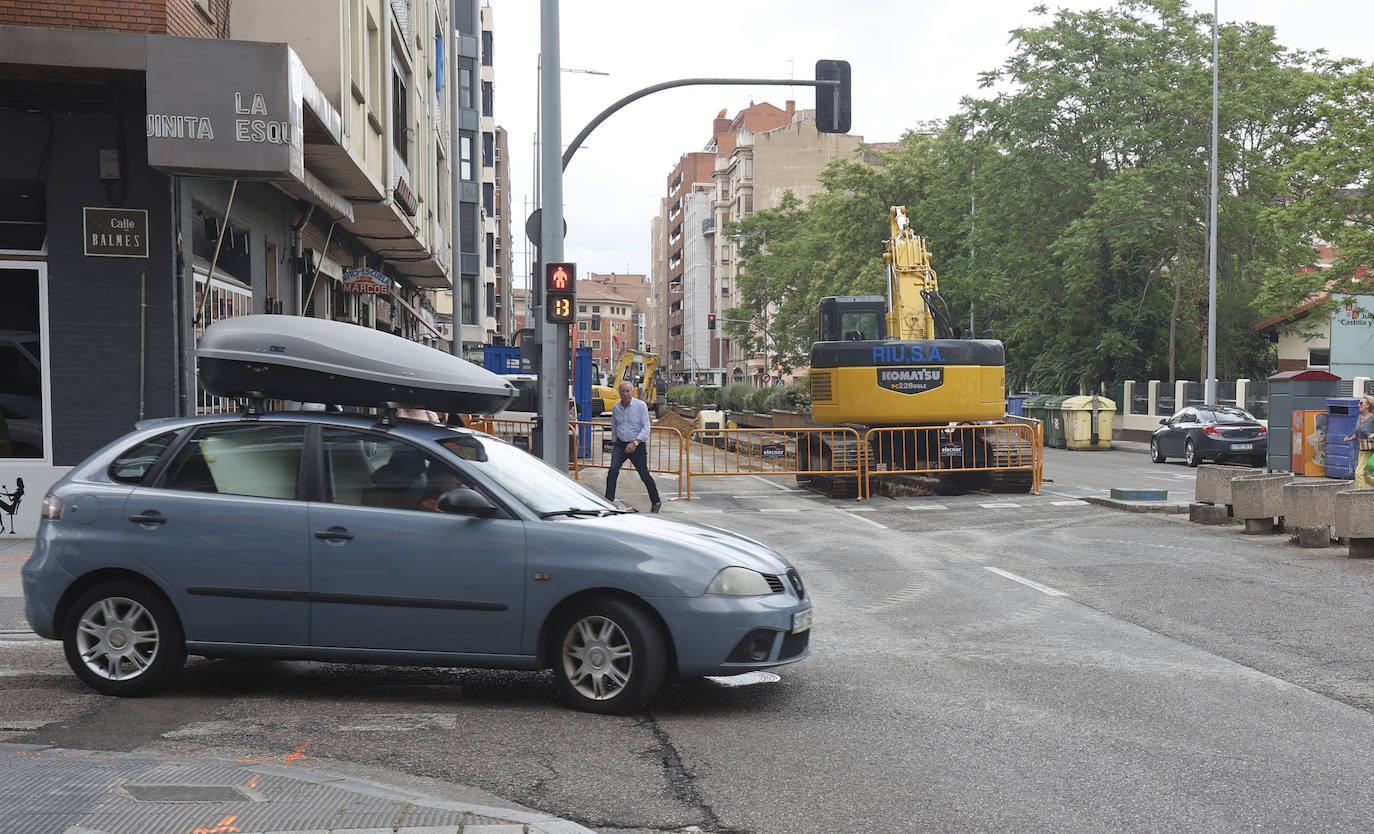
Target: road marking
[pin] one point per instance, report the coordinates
(702, 512)
(928, 507)
(1044, 589)
(1073, 503)
(850, 513)
(779, 510)
(771, 484)
(862, 510)
(1001, 506)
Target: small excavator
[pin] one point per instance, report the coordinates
(647, 389)
(900, 361)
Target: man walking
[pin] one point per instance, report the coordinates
(630, 433)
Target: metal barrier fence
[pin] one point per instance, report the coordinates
(711, 452)
(595, 443)
(978, 453)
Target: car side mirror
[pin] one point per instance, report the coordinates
(1163, 420)
(466, 501)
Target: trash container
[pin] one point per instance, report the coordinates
(1054, 421)
(1034, 407)
(1016, 404)
(1088, 422)
(1342, 413)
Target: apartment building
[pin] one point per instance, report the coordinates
(173, 162)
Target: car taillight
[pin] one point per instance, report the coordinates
(1263, 430)
(1212, 430)
(52, 507)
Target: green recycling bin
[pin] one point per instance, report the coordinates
(1054, 420)
(1088, 422)
(1034, 407)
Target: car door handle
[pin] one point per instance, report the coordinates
(149, 517)
(334, 533)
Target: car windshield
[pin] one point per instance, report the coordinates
(1227, 415)
(536, 484)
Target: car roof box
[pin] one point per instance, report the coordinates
(333, 362)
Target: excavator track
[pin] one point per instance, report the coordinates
(1008, 448)
(828, 453)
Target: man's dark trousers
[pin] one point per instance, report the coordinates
(640, 458)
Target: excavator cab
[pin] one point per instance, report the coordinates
(853, 318)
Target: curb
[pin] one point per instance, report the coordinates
(1167, 507)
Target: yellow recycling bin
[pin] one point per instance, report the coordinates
(1088, 422)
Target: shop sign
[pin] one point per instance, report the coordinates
(367, 281)
(115, 233)
(224, 108)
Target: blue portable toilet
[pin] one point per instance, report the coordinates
(1342, 413)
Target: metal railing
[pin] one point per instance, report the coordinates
(974, 450)
(793, 451)
(596, 443)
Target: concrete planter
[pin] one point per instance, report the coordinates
(1355, 521)
(1214, 482)
(1258, 500)
(1309, 509)
(789, 420)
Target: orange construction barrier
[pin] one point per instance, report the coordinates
(595, 443)
(976, 450)
(789, 451)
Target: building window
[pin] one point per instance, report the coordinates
(491, 300)
(487, 96)
(374, 64)
(1319, 358)
(488, 149)
(465, 83)
(400, 123)
(596, 344)
(582, 325)
(489, 198)
(469, 299)
(21, 365)
(486, 48)
(465, 156)
(467, 228)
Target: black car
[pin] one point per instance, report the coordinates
(1211, 432)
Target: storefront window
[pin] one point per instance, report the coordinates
(227, 299)
(21, 362)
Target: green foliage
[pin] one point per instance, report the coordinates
(1070, 211)
(758, 400)
(735, 396)
(688, 395)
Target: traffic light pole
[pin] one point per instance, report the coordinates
(553, 366)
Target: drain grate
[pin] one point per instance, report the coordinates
(186, 793)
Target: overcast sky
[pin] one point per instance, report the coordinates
(912, 62)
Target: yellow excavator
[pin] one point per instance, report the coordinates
(646, 389)
(900, 361)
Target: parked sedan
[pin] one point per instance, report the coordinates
(334, 537)
(1211, 432)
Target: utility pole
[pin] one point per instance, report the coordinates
(553, 370)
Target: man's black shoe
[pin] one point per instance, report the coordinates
(656, 507)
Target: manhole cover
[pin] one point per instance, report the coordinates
(185, 793)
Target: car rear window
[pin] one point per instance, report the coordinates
(132, 466)
(1229, 416)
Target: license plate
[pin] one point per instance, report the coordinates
(801, 621)
(1242, 445)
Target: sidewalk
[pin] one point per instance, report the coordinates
(48, 790)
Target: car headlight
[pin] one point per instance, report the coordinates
(739, 582)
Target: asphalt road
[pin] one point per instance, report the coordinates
(980, 663)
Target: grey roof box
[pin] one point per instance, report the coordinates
(315, 360)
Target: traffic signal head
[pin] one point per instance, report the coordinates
(832, 101)
(560, 293)
(711, 321)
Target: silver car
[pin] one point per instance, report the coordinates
(334, 537)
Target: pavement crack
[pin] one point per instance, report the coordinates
(681, 781)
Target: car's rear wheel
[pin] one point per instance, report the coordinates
(123, 638)
(608, 656)
(1156, 453)
(1190, 455)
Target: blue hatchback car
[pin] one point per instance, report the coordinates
(333, 537)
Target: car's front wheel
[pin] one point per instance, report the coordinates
(123, 638)
(608, 656)
(1156, 453)
(1190, 455)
